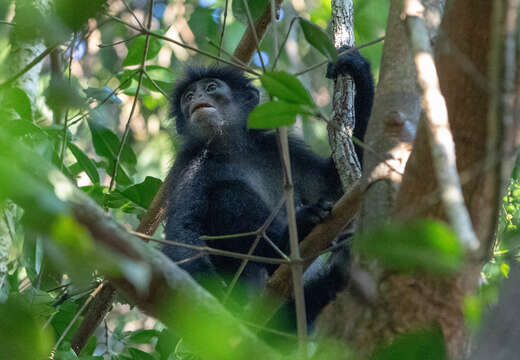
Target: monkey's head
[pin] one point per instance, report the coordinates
(213, 100)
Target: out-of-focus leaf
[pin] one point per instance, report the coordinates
(274, 114)
(318, 39)
(420, 245)
(136, 50)
(256, 8)
(18, 100)
(104, 94)
(66, 353)
(143, 336)
(424, 345)
(86, 163)
(22, 336)
(143, 193)
(140, 355)
(63, 318)
(75, 13)
(286, 87)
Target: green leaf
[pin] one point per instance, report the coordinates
(140, 355)
(142, 194)
(274, 114)
(424, 345)
(256, 8)
(105, 95)
(86, 163)
(286, 87)
(136, 50)
(76, 13)
(22, 336)
(162, 76)
(107, 144)
(18, 100)
(318, 39)
(143, 336)
(416, 246)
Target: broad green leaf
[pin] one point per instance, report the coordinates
(106, 144)
(256, 8)
(318, 39)
(424, 345)
(142, 194)
(416, 246)
(86, 163)
(18, 100)
(22, 335)
(286, 87)
(274, 114)
(136, 50)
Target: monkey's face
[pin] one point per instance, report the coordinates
(209, 108)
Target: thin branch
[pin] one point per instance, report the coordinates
(156, 85)
(313, 67)
(119, 42)
(66, 120)
(436, 119)
(231, 56)
(284, 41)
(255, 35)
(76, 316)
(134, 104)
(133, 15)
(221, 38)
(213, 251)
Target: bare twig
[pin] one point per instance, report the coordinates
(134, 104)
(255, 35)
(66, 120)
(221, 37)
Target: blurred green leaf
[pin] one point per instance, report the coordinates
(256, 8)
(143, 193)
(63, 318)
(286, 87)
(274, 114)
(140, 355)
(424, 345)
(143, 336)
(318, 39)
(136, 50)
(104, 94)
(75, 13)
(85, 162)
(18, 100)
(22, 336)
(419, 245)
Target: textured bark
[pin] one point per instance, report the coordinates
(410, 302)
(343, 115)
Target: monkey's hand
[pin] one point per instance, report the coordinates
(352, 63)
(308, 216)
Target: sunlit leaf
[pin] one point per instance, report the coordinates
(274, 114)
(419, 245)
(163, 78)
(286, 87)
(106, 144)
(318, 39)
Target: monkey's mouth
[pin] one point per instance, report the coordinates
(195, 107)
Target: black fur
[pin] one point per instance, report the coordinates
(227, 179)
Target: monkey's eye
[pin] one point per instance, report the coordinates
(188, 96)
(212, 86)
